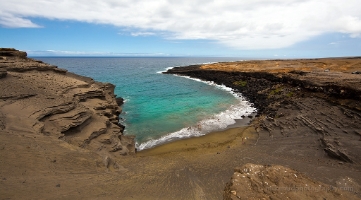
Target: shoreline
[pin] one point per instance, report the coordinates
(240, 124)
(195, 131)
(214, 140)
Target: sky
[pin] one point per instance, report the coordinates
(221, 28)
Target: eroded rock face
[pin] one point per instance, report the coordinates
(41, 98)
(278, 182)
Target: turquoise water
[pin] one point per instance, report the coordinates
(160, 108)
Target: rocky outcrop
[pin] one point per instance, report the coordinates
(277, 182)
(119, 100)
(11, 52)
(44, 99)
(332, 148)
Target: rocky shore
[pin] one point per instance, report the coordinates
(60, 137)
(306, 108)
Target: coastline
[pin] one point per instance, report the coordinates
(303, 126)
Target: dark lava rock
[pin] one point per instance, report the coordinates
(119, 100)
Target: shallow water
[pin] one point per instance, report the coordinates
(160, 107)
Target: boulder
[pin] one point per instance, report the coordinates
(253, 181)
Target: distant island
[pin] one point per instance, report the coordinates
(60, 136)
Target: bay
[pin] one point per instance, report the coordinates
(160, 107)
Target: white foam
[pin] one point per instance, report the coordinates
(166, 69)
(222, 87)
(126, 99)
(208, 63)
(216, 122)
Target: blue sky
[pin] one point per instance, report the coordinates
(233, 28)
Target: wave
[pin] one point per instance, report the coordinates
(166, 69)
(208, 63)
(216, 122)
(222, 87)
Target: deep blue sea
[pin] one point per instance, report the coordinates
(160, 108)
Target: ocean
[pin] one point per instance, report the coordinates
(158, 107)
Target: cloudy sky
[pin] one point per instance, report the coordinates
(240, 28)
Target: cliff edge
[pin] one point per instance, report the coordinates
(40, 99)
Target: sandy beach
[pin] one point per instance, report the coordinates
(302, 125)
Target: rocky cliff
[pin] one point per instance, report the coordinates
(39, 98)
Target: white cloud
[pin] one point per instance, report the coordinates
(247, 24)
(11, 21)
(136, 34)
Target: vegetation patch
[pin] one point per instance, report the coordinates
(290, 94)
(240, 83)
(276, 91)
